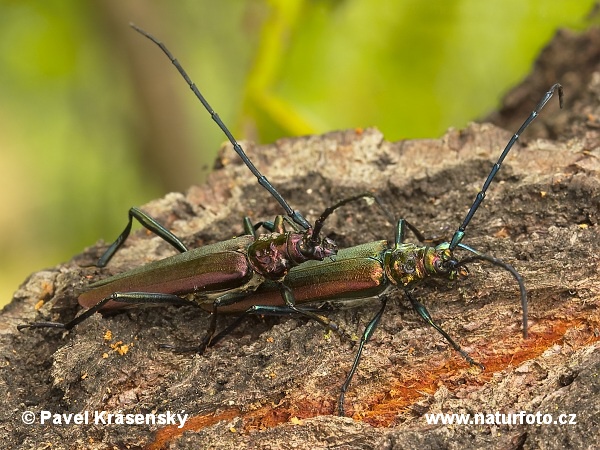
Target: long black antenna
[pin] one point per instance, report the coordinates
(498, 262)
(296, 216)
(459, 234)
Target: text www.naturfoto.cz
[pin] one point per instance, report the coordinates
(497, 418)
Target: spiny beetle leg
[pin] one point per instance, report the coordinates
(209, 338)
(279, 311)
(369, 330)
(118, 297)
(274, 226)
(200, 349)
(206, 340)
(422, 311)
(290, 304)
(250, 229)
(400, 233)
(34, 325)
(150, 224)
(227, 330)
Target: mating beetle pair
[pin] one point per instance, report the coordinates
(280, 271)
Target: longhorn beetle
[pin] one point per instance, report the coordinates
(371, 269)
(214, 273)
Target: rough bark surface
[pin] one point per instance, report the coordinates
(275, 381)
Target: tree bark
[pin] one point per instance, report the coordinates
(274, 382)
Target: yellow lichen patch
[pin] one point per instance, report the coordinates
(296, 421)
(120, 348)
(502, 233)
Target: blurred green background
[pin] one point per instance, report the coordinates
(94, 119)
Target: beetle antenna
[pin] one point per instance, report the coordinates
(296, 216)
(498, 262)
(459, 234)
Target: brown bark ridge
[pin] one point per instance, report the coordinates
(274, 383)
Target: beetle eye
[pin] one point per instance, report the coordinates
(441, 265)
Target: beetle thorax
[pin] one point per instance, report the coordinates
(405, 265)
(269, 256)
(273, 255)
(309, 249)
(408, 264)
